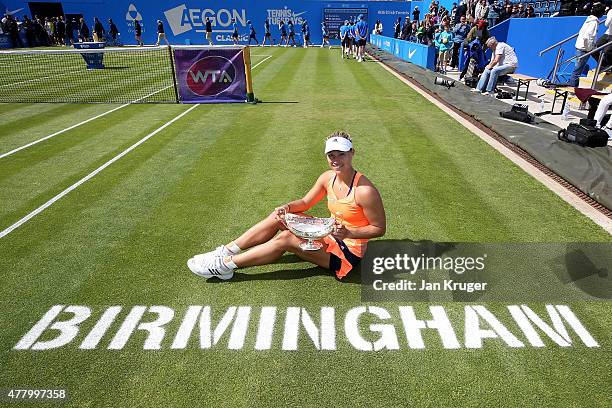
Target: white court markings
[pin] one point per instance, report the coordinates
(39, 79)
(42, 139)
(57, 197)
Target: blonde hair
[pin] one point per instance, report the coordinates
(340, 133)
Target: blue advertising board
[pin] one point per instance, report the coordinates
(184, 20)
(418, 54)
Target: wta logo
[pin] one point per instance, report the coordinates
(210, 76)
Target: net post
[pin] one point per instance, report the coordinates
(247, 71)
(176, 95)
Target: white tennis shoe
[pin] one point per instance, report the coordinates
(211, 266)
(219, 251)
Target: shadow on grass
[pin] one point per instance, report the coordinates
(278, 102)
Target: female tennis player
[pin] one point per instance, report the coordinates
(351, 198)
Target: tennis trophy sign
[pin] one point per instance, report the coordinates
(309, 228)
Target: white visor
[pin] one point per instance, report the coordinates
(340, 144)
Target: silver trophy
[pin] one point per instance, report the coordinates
(309, 228)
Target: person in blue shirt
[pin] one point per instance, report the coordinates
(252, 34)
(345, 39)
(325, 33)
(306, 33)
(291, 33)
(283, 32)
(361, 33)
(351, 33)
(267, 33)
(235, 32)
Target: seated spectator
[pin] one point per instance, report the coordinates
(530, 11)
(493, 16)
(522, 13)
(504, 62)
(506, 13)
(482, 10)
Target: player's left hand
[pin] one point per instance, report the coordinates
(340, 231)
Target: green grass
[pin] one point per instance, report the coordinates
(123, 238)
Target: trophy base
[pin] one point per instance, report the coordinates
(311, 245)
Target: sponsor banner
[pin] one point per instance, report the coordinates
(418, 54)
(469, 272)
(210, 75)
(185, 20)
(93, 60)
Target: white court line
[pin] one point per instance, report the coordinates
(261, 62)
(567, 196)
(99, 116)
(90, 175)
(3, 155)
(38, 79)
(46, 205)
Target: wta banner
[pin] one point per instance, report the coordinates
(206, 75)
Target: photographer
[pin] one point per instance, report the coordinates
(504, 62)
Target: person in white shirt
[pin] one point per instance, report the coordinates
(504, 62)
(604, 39)
(585, 42)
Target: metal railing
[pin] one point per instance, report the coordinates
(601, 50)
(560, 51)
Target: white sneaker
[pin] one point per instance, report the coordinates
(474, 90)
(210, 267)
(218, 252)
(486, 93)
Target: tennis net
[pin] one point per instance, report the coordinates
(109, 75)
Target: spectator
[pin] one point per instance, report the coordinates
(461, 11)
(378, 28)
(83, 30)
(493, 16)
(453, 14)
(478, 31)
(70, 26)
(482, 10)
(60, 28)
(414, 32)
(460, 32)
(161, 33)
(208, 30)
(604, 39)
(504, 62)
(585, 42)
(406, 29)
(397, 27)
(506, 13)
(522, 13)
(444, 43)
(530, 12)
(416, 13)
(29, 31)
(98, 31)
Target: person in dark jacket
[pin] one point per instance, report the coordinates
(98, 30)
(112, 30)
(406, 29)
(138, 32)
(83, 31)
(397, 28)
(60, 31)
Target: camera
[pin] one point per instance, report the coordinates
(444, 82)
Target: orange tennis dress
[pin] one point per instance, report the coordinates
(352, 216)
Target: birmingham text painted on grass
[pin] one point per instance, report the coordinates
(362, 328)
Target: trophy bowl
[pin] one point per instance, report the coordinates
(309, 228)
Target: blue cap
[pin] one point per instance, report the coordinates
(360, 17)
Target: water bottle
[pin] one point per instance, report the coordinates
(541, 105)
(566, 111)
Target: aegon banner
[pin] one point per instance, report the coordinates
(210, 75)
(418, 54)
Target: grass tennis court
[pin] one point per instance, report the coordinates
(122, 238)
